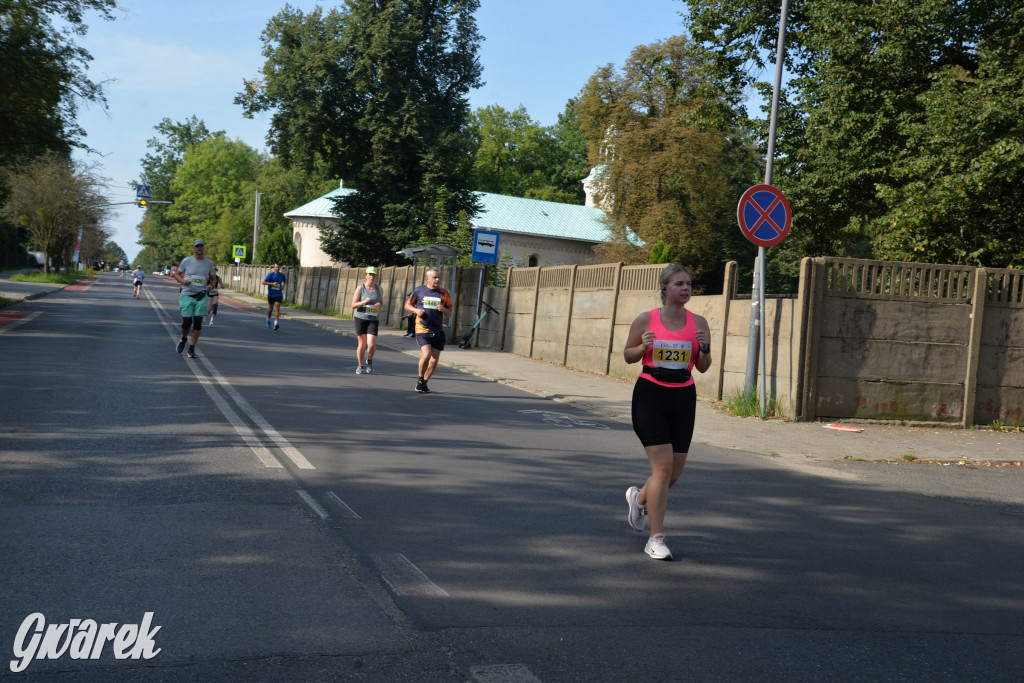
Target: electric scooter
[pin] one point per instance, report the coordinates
(467, 339)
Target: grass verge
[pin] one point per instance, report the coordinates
(748, 404)
(54, 278)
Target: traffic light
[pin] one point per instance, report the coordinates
(142, 203)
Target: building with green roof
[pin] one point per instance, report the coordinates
(533, 232)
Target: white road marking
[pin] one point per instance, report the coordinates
(405, 578)
(349, 512)
(315, 506)
(502, 673)
(248, 435)
(293, 453)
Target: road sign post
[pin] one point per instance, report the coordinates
(765, 217)
(757, 308)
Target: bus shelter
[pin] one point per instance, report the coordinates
(439, 257)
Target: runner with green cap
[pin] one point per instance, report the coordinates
(366, 303)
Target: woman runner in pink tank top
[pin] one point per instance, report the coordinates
(671, 341)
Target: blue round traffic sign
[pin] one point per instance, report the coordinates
(764, 215)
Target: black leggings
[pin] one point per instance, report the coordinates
(664, 415)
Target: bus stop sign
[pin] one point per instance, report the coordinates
(764, 215)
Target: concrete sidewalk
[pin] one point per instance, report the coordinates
(609, 398)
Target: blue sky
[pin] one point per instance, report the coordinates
(178, 58)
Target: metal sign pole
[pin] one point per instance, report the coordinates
(757, 341)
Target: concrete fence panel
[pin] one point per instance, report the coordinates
(892, 340)
(520, 310)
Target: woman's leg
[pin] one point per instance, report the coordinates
(666, 468)
(371, 346)
(361, 349)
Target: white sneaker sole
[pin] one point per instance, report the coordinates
(629, 515)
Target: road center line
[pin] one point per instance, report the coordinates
(313, 505)
(349, 512)
(405, 578)
(293, 453)
(247, 434)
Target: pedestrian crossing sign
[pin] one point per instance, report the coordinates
(238, 250)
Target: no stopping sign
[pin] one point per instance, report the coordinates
(764, 215)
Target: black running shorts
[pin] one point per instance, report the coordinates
(664, 415)
(367, 326)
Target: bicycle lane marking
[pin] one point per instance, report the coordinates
(12, 319)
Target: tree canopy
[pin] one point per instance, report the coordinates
(163, 233)
(44, 75)
(209, 188)
(375, 93)
(517, 156)
(899, 129)
(53, 198)
(212, 182)
(670, 158)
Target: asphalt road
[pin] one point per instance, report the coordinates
(285, 519)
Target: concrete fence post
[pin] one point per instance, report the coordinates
(805, 308)
(979, 295)
(616, 284)
(533, 314)
(719, 350)
(568, 315)
(508, 296)
(815, 304)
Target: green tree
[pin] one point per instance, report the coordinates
(566, 163)
(209, 189)
(670, 154)
(44, 75)
(516, 156)
(953, 193)
(111, 252)
(165, 232)
(53, 198)
(375, 93)
(887, 107)
(660, 253)
(509, 148)
(282, 189)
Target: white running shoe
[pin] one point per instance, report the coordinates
(636, 517)
(277, 325)
(369, 367)
(359, 370)
(657, 549)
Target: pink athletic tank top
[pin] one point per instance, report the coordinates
(675, 350)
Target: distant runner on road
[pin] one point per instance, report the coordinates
(211, 308)
(139, 274)
(275, 281)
